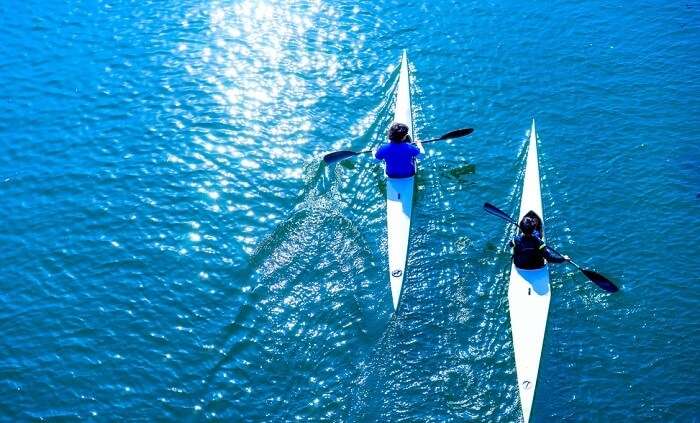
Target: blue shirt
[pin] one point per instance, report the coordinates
(399, 158)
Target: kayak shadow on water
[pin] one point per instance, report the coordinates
(348, 164)
(461, 173)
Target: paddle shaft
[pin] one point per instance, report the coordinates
(344, 154)
(413, 143)
(574, 263)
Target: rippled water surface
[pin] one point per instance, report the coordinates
(173, 247)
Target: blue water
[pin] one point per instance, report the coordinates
(173, 248)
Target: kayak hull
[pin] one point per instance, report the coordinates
(529, 293)
(399, 194)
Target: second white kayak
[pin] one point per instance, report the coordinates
(529, 293)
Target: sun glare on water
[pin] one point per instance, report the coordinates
(264, 66)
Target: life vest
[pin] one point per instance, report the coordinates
(528, 252)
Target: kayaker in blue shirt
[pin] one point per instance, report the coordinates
(399, 154)
(529, 251)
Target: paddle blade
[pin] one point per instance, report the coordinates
(457, 133)
(338, 156)
(491, 209)
(600, 280)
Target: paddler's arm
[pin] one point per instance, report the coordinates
(418, 150)
(551, 256)
(378, 154)
(418, 145)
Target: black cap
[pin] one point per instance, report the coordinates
(397, 132)
(528, 225)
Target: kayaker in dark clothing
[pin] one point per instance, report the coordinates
(399, 154)
(529, 251)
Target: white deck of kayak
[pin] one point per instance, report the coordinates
(529, 293)
(399, 194)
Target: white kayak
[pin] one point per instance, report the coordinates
(529, 293)
(399, 194)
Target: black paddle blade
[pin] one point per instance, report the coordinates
(338, 156)
(491, 209)
(457, 133)
(600, 280)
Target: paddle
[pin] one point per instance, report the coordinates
(337, 156)
(594, 277)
